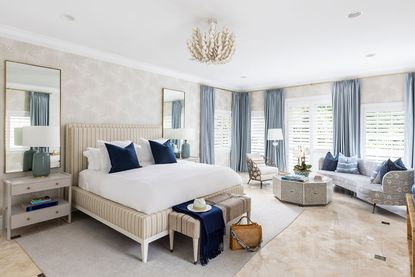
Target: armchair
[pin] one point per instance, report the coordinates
(258, 168)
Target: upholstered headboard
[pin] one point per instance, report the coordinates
(80, 136)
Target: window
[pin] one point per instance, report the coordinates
(258, 132)
(309, 125)
(383, 131)
(223, 127)
(16, 120)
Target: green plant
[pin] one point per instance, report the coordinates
(303, 167)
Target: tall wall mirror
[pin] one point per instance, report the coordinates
(32, 115)
(173, 109)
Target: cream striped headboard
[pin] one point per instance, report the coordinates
(80, 136)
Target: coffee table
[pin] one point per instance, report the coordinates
(308, 193)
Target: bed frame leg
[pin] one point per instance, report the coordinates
(144, 251)
(171, 238)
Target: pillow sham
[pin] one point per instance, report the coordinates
(122, 158)
(347, 164)
(330, 162)
(387, 166)
(162, 153)
(93, 156)
(105, 159)
(144, 152)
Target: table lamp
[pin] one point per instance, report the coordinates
(41, 137)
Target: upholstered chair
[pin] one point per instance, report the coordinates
(258, 169)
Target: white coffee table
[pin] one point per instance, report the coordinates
(308, 193)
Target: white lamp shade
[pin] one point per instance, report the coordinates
(41, 136)
(180, 133)
(275, 134)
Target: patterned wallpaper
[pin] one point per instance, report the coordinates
(100, 92)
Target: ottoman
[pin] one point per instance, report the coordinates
(232, 206)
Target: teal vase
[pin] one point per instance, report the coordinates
(28, 159)
(185, 150)
(41, 164)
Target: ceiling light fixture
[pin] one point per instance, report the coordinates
(243, 77)
(212, 47)
(370, 55)
(68, 17)
(354, 14)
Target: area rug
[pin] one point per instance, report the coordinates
(87, 247)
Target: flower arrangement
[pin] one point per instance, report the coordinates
(302, 168)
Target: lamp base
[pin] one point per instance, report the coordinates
(28, 159)
(41, 164)
(185, 150)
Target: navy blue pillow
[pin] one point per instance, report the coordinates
(330, 162)
(386, 167)
(162, 153)
(122, 158)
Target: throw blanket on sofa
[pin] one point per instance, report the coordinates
(212, 229)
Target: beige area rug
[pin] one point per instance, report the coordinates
(87, 247)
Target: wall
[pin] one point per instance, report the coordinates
(99, 92)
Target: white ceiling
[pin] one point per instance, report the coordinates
(279, 43)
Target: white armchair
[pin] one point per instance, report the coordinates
(258, 169)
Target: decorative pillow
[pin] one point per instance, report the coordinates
(347, 164)
(387, 166)
(93, 156)
(144, 152)
(374, 174)
(162, 153)
(105, 159)
(122, 158)
(330, 162)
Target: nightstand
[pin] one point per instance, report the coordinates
(25, 187)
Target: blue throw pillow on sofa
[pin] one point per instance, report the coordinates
(330, 162)
(162, 153)
(347, 164)
(387, 166)
(122, 158)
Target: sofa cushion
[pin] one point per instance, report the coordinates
(348, 181)
(387, 166)
(330, 162)
(347, 164)
(367, 167)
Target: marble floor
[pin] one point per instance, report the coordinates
(340, 239)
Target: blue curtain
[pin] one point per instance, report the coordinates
(274, 112)
(207, 125)
(39, 112)
(346, 117)
(176, 118)
(410, 118)
(39, 109)
(241, 130)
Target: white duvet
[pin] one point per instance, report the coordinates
(157, 187)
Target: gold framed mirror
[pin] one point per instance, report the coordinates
(173, 111)
(32, 100)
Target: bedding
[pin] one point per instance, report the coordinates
(154, 188)
(122, 158)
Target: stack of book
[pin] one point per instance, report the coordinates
(294, 178)
(40, 203)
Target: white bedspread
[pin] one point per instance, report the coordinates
(157, 187)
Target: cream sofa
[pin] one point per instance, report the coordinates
(395, 184)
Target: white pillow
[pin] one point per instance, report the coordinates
(144, 151)
(93, 156)
(105, 158)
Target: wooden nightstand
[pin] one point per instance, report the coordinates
(16, 215)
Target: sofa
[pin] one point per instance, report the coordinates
(395, 184)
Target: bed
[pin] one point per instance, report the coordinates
(143, 223)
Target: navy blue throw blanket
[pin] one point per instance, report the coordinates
(212, 229)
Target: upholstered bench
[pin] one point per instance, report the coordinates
(232, 207)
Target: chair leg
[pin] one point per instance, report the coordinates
(261, 184)
(249, 180)
(195, 250)
(374, 207)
